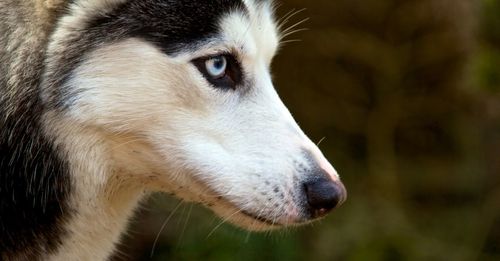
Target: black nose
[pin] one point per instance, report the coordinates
(323, 195)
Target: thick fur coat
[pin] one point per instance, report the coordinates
(105, 101)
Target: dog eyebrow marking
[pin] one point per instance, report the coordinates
(168, 28)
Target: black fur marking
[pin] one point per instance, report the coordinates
(34, 186)
(34, 180)
(172, 25)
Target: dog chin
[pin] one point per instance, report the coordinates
(247, 220)
(251, 222)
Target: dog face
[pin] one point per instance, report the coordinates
(187, 83)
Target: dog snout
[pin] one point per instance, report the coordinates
(323, 194)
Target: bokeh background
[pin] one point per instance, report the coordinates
(406, 97)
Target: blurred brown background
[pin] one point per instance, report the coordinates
(406, 94)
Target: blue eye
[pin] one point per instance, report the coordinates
(216, 66)
(222, 71)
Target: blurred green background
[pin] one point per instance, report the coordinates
(406, 94)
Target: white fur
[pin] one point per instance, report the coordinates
(144, 121)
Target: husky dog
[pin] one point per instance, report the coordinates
(104, 101)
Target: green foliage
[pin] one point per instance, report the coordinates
(488, 73)
(488, 59)
(490, 21)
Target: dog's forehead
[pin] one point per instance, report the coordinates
(173, 26)
(179, 25)
(254, 30)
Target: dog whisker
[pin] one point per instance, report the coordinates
(321, 140)
(186, 221)
(283, 43)
(222, 222)
(163, 227)
(292, 32)
(284, 20)
(295, 25)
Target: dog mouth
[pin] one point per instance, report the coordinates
(236, 213)
(293, 213)
(262, 219)
(250, 220)
(247, 218)
(311, 201)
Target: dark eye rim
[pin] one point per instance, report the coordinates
(232, 77)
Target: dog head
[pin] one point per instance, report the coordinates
(187, 86)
